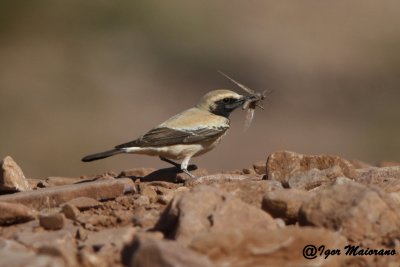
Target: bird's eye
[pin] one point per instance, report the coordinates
(226, 100)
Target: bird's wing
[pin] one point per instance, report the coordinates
(164, 136)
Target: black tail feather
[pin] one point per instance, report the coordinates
(101, 155)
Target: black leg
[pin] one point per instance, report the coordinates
(171, 162)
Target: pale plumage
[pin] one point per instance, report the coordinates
(188, 134)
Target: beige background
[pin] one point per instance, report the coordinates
(78, 77)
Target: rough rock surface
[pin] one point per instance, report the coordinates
(264, 215)
(345, 208)
(206, 209)
(12, 179)
(281, 166)
(11, 213)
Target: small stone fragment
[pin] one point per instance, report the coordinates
(146, 252)
(281, 166)
(285, 203)
(54, 221)
(84, 203)
(260, 167)
(11, 213)
(12, 179)
(70, 211)
(206, 209)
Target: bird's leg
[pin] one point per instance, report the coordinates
(177, 165)
(184, 166)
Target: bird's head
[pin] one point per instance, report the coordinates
(221, 102)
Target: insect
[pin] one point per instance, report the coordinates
(251, 102)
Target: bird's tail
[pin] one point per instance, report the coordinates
(102, 155)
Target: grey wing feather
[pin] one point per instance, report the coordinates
(165, 136)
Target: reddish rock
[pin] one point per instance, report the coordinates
(314, 178)
(148, 191)
(387, 163)
(58, 181)
(285, 203)
(256, 247)
(84, 203)
(248, 191)
(11, 213)
(14, 254)
(116, 237)
(347, 207)
(150, 252)
(12, 179)
(260, 167)
(70, 211)
(387, 178)
(218, 178)
(281, 166)
(206, 209)
(137, 172)
(53, 197)
(53, 221)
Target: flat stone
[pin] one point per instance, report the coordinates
(70, 211)
(280, 247)
(205, 209)
(53, 221)
(84, 203)
(347, 207)
(11, 213)
(285, 203)
(12, 179)
(53, 197)
(281, 166)
(14, 254)
(58, 181)
(260, 167)
(137, 172)
(117, 237)
(314, 178)
(146, 252)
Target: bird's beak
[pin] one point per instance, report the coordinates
(239, 102)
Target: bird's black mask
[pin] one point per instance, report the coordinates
(225, 106)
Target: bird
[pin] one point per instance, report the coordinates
(188, 134)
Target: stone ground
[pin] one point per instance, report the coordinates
(263, 215)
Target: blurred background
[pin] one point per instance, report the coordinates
(78, 77)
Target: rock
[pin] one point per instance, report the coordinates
(84, 203)
(314, 178)
(53, 221)
(116, 237)
(17, 255)
(206, 209)
(137, 172)
(281, 166)
(58, 181)
(260, 167)
(358, 164)
(217, 178)
(387, 178)
(256, 247)
(172, 174)
(387, 163)
(248, 191)
(70, 211)
(57, 244)
(347, 207)
(53, 197)
(150, 252)
(12, 178)
(198, 173)
(11, 213)
(142, 201)
(148, 191)
(285, 203)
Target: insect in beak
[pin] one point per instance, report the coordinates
(250, 102)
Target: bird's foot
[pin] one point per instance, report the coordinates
(188, 173)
